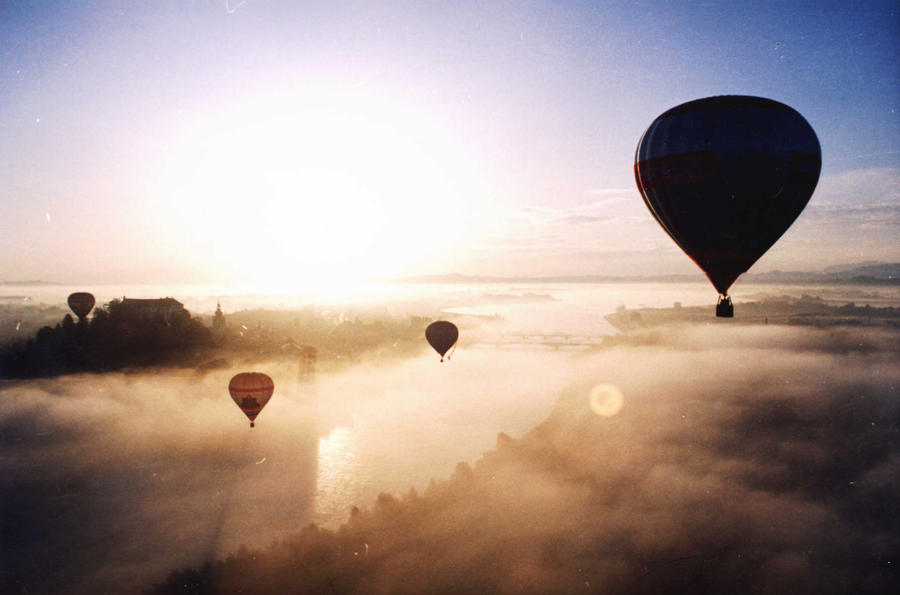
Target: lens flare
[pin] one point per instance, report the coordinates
(606, 400)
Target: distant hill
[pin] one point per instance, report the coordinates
(804, 311)
(840, 268)
(861, 273)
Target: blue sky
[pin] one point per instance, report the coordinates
(225, 141)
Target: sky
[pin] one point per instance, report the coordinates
(323, 143)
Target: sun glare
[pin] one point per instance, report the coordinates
(606, 400)
(319, 192)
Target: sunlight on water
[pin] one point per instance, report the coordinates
(335, 477)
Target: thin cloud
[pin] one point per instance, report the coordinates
(523, 242)
(581, 219)
(884, 213)
(609, 191)
(858, 188)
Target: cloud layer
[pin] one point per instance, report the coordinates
(739, 459)
(744, 460)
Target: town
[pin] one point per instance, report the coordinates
(133, 333)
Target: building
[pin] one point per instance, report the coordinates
(168, 308)
(306, 359)
(219, 326)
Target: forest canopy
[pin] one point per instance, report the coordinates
(118, 335)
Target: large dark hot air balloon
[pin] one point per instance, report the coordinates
(442, 335)
(725, 177)
(251, 391)
(81, 302)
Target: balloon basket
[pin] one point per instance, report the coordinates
(724, 309)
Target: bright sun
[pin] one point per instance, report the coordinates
(327, 190)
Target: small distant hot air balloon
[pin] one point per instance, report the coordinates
(251, 391)
(81, 302)
(442, 335)
(725, 177)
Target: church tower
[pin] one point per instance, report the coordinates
(218, 324)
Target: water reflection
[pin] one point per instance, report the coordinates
(337, 464)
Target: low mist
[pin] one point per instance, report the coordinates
(108, 479)
(732, 459)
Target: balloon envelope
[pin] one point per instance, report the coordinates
(441, 335)
(81, 303)
(251, 391)
(725, 177)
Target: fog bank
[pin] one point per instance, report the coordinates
(107, 481)
(732, 459)
(742, 460)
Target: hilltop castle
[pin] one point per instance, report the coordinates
(167, 307)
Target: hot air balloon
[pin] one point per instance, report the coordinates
(442, 335)
(251, 391)
(81, 302)
(725, 177)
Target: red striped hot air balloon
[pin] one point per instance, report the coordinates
(251, 391)
(81, 302)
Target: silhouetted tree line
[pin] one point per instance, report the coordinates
(319, 560)
(117, 336)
